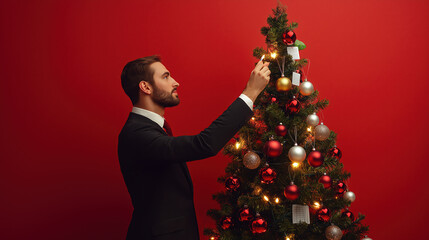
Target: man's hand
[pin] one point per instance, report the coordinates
(259, 78)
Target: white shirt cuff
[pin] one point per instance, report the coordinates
(247, 100)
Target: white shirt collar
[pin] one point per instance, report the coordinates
(149, 114)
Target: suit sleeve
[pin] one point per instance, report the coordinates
(162, 149)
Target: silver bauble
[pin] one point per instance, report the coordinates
(297, 153)
(322, 132)
(251, 160)
(366, 238)
(349, 196)
(312, 120)
(333, 233)
(306, 88)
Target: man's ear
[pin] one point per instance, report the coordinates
(145, 87)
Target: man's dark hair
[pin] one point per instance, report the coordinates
(136, 71)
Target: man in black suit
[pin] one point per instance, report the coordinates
(153, 162)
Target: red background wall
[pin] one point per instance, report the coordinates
(62, 105)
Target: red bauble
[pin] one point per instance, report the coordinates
(291, 192)
(289, 37)
(326, 181)
(273, 148)
(335, 152)
(340, 187)
(226, 223)
(232, 183)
(293, 106)
(315, 158)
(323, 214)
(281, 130)
(259, 225)
(273, 99)
(267, 175)
(348, 214)
(245, 214)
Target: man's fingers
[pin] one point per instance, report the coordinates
(259, 65)
(267, 73)
(264, 69)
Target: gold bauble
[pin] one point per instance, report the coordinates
(283, 84)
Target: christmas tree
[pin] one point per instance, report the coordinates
(286, 179)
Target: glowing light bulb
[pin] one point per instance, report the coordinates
(257, 190)
(253, 118)
(273, 55)
(316, 205)
(266, 198)
(277, 200)
(295, 165)
(309, 129)
(237, 145)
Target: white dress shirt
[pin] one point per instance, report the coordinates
(160, 120)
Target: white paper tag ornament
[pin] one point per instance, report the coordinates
(300, 213)
(294, 52)
(296, 78)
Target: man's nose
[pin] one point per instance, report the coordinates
(176, 84)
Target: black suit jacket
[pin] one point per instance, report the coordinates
(153, 165)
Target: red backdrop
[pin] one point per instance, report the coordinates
(62, 105)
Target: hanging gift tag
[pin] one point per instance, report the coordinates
(296, 77)
(300, 213)
(294, 52)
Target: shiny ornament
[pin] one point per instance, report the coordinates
(322, 132)
(293, 106)
(226, 223)
(333, 233)
(297, 153)
(273, 148)
(281, 130)
(323, 214)
(306, 88)
(245, 214)
(232, 183)
(289, 37)
(251, 160)
(259, 225)
(291, 192)
(267, 175)
(340, 187)
(366, 238)
(283, 84)
(335, 152)
(312, 120)
(326, 181)
(348, 214)
(315, 158)
(349, 196)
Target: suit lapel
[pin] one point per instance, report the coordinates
(188, 176)
(183, 165)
